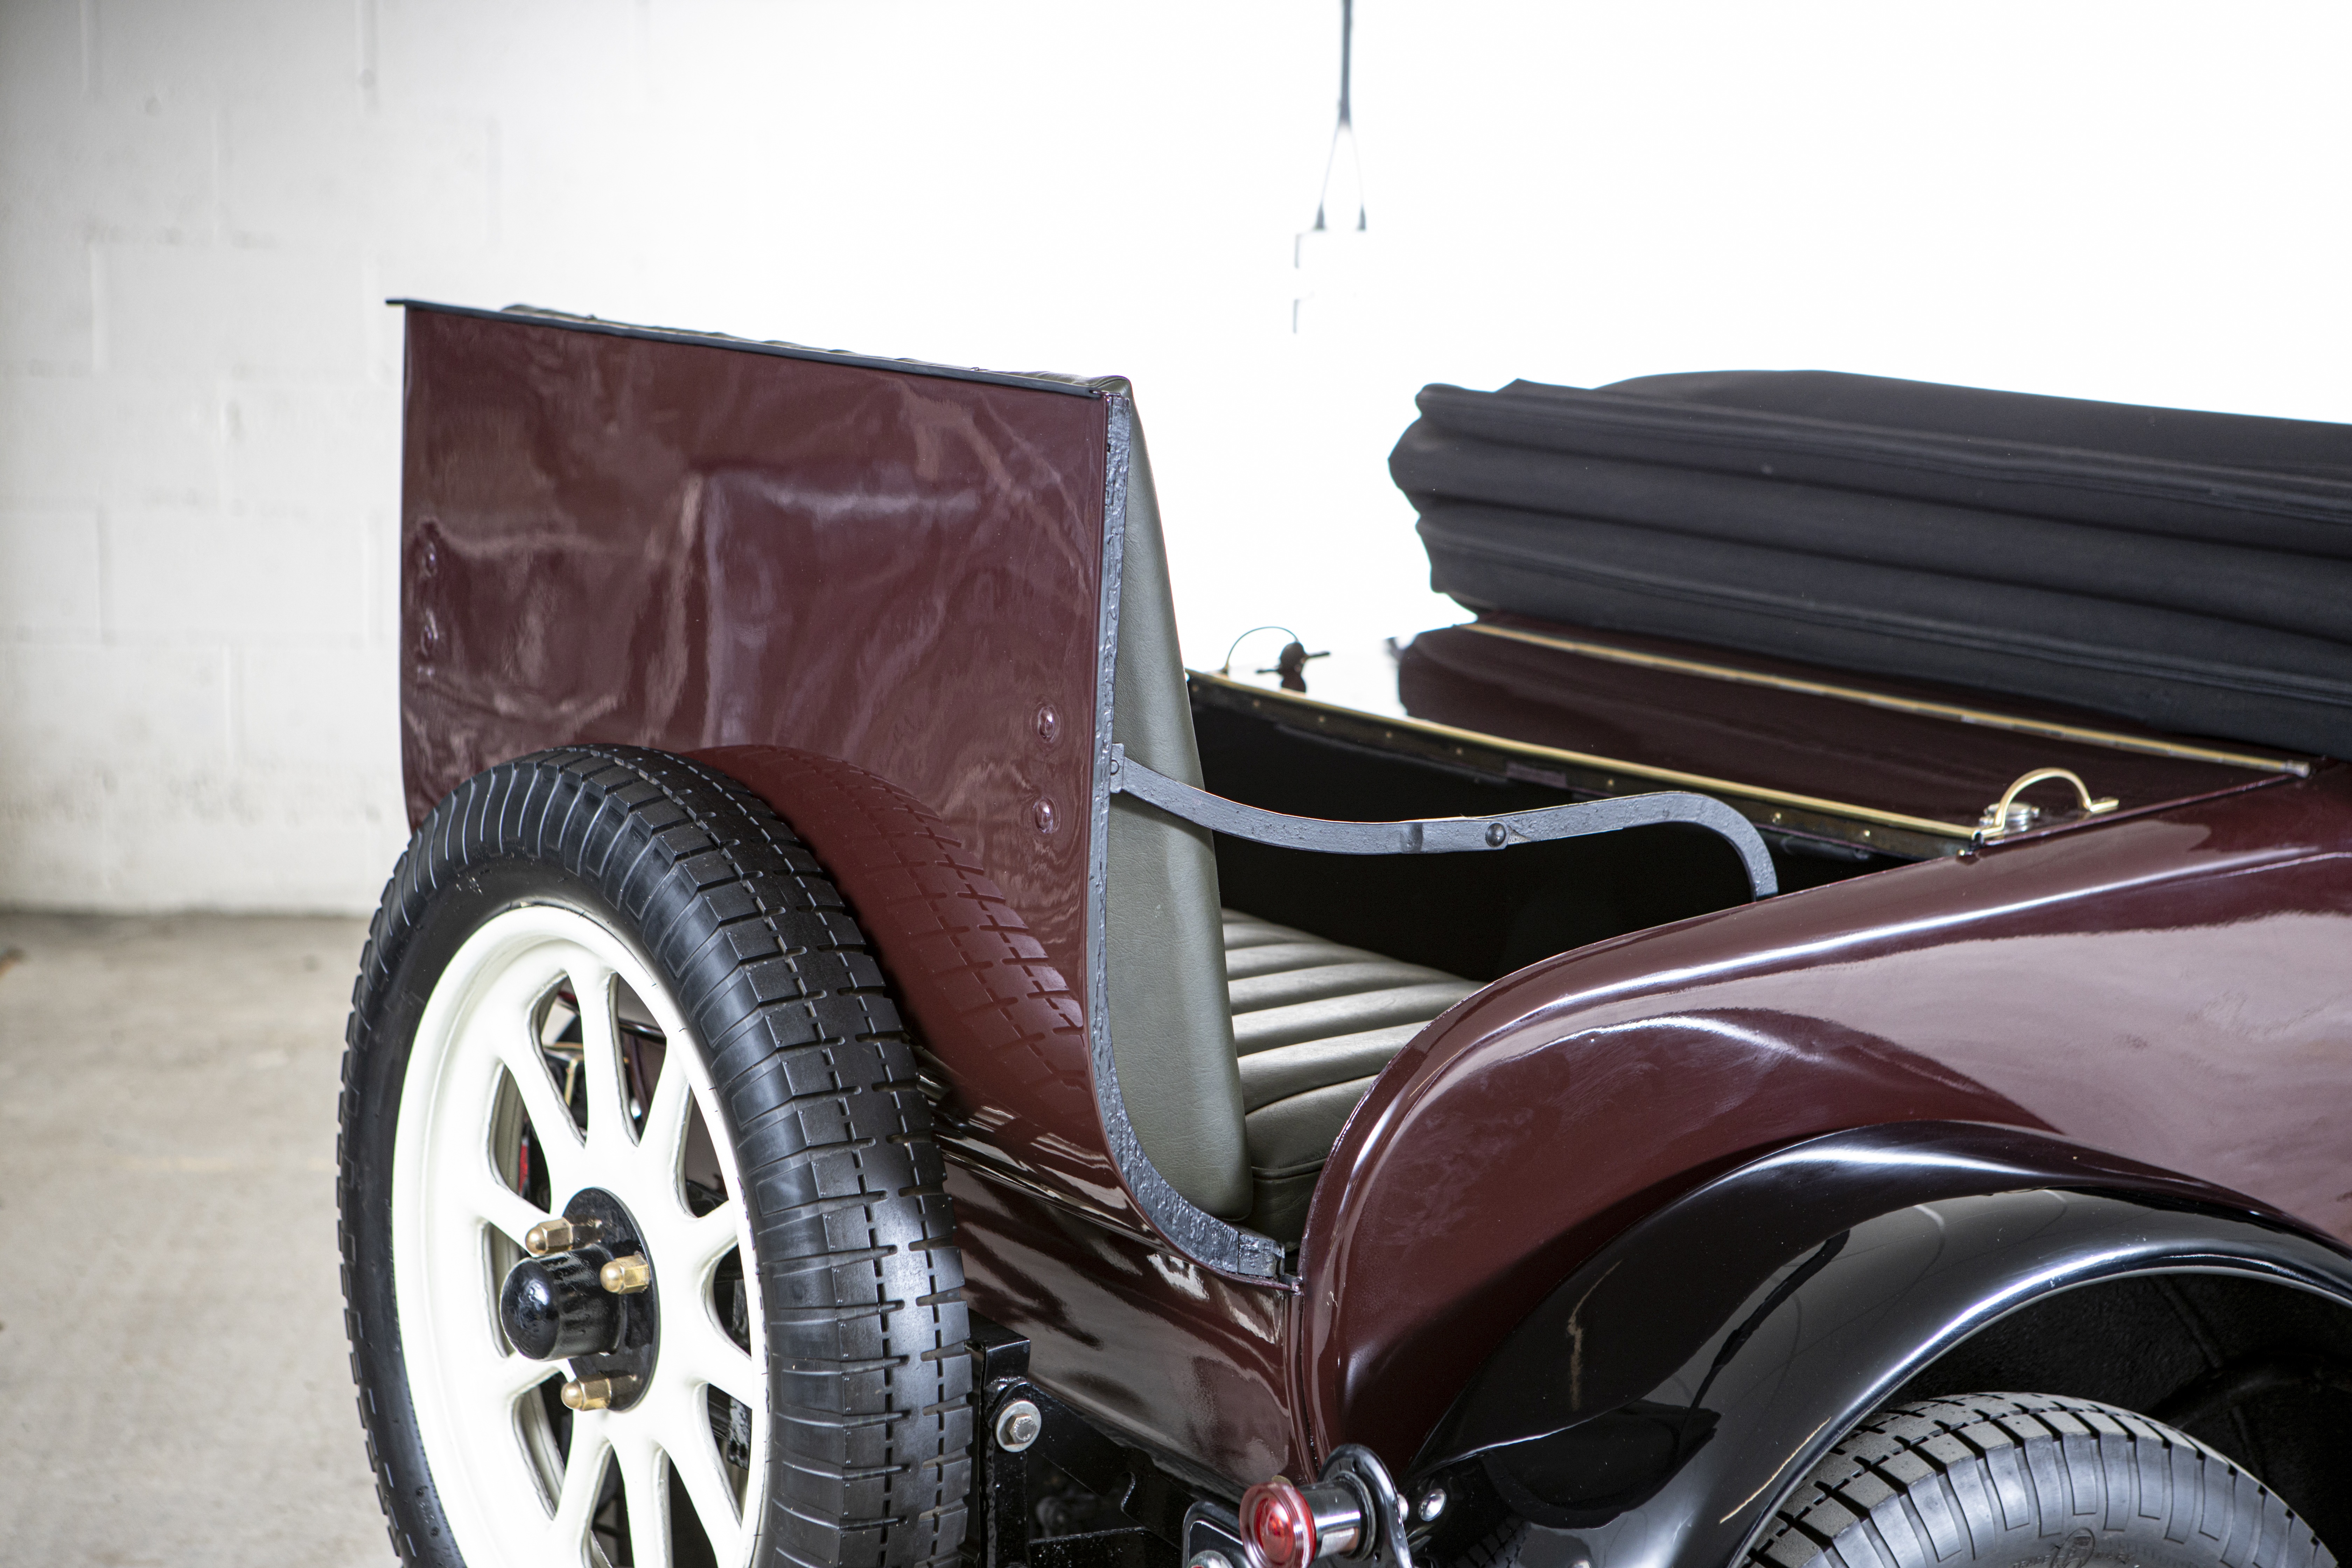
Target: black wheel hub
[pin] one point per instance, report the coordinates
(556, 1308)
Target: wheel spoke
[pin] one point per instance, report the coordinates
(583, 1478)
(551, 1119)
(686, 1435)
(599, 1060)
(511, 1376)
(664, 1139)
(503, 1211)
(709, 1238)
(648, 1494)
(710, 1356)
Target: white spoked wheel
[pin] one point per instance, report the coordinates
(620, 1065)
(552, 1073)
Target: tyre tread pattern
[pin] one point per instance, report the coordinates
(868, 1380)
(2003, 1478)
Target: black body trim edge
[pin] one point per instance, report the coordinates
(1662, 1401)
(1196, 1233)
(532, 315)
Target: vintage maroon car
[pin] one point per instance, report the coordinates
(1817, 1028)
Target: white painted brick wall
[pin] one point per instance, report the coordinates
(203, 204)
(197, 475)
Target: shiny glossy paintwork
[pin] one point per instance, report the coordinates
(872, 594)
(1662, 1401)
(1177, 1357)
(684, 545)
(2170, 988)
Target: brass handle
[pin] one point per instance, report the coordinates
(1996, 822)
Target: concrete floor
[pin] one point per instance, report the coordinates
(173, 1383)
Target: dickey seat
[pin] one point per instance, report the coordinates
(1314, 1023)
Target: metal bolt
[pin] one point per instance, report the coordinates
(597, 1393)
(560, 1236)
(1433, 1503)
(1495, 834)
(1018, 1426)
(626, 1276)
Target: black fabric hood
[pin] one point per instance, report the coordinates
(2188, 570)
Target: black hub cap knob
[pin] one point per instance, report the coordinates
(554, 1309)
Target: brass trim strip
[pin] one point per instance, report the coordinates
(2048, 729)
(1607, 764)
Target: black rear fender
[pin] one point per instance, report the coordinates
(1660, 1402)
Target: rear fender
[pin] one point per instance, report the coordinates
(1657, 1407)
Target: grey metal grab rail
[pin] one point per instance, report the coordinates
(1445, 835)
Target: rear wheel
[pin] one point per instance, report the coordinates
(2009, 1481)
(645, 1253)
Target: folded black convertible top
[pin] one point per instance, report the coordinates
(2191, 570)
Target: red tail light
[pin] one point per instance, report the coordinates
(1276, 1519)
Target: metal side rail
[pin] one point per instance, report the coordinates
(1445, 835)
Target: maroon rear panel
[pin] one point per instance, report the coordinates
(685, 545)
(871, 595)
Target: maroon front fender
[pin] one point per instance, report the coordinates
(2173, 989)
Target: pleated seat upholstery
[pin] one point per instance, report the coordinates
(1314, 1023)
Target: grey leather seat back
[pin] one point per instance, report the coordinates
(1171, 1031)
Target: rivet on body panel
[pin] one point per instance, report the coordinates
(1042, 816)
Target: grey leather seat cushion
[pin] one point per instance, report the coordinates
(1314, 1023)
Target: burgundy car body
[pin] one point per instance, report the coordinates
(648, 539)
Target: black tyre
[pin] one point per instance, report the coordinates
(609, 989)
(2030, 1478)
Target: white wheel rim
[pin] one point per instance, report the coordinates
(478, 1408)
